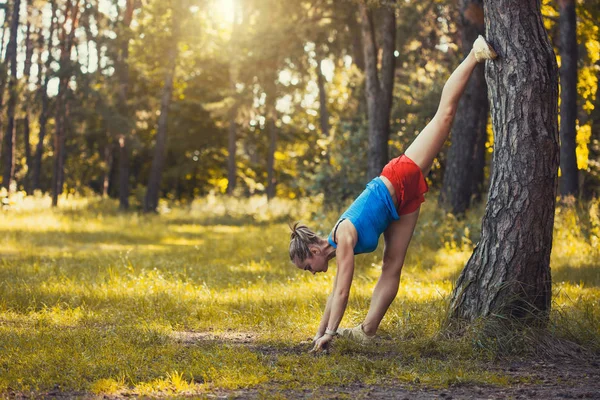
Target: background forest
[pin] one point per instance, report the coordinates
(153, 153)
(140, 100)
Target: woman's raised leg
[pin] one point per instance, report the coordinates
(430, 140)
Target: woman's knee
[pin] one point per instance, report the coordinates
(392, 269)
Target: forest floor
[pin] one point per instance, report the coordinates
(200, 302)
(570, 376)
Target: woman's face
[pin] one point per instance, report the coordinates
(315, 263)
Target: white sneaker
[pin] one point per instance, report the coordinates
(482, 50)
(356, 334)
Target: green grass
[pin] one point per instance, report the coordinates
(96, 301)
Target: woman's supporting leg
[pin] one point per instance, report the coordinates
(397, 237)
(430, 140)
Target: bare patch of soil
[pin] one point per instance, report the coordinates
(566, 379)
(231, 337)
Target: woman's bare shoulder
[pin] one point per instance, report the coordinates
(346, 231)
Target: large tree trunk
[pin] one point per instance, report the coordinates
(10, 138)
(380, 83)
(37, 158)
(509, 273)
(569, 183)
(466, 156)
(153, 191)
(66, 40)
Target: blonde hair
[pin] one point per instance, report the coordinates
(300, 238)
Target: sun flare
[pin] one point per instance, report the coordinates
(224, 10)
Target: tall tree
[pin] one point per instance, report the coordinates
(153, 191)
(26, 107)
(3, 61)
(66, 39)
(509, 273)
(380, 81)
(123, 75)
(569, 183)
(233, 76)
(272, 132)
(466, 156)
(43, 80)
(10, 136)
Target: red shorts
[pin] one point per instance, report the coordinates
(408, 181)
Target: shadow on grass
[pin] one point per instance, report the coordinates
(228, 220)
(587, 275)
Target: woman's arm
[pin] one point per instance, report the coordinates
(341, 291)
(325, 318)
(345, 271)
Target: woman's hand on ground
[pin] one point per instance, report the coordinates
(322, 344)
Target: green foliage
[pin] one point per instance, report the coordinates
(257, 65)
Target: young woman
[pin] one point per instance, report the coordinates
(390, 205)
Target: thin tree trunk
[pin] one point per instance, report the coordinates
(10, 137)
(26, 128)
(153, 191)
(323, 113)
(123, 139)
(37, 159)
(271, 179)
(355, 32)
(71, 14)
(3, 70)
(379, 90)
(466, 156)
(231, 149)
(508, 274)
(233, 74)
(108, 161)
(569, 183)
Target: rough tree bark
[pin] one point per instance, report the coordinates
(569, 183)
(508, 273)
(466, 156)
(379, 82)
(43, 119)
(10, 136)
(153, 190)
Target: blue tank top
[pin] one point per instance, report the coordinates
(371, 213)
